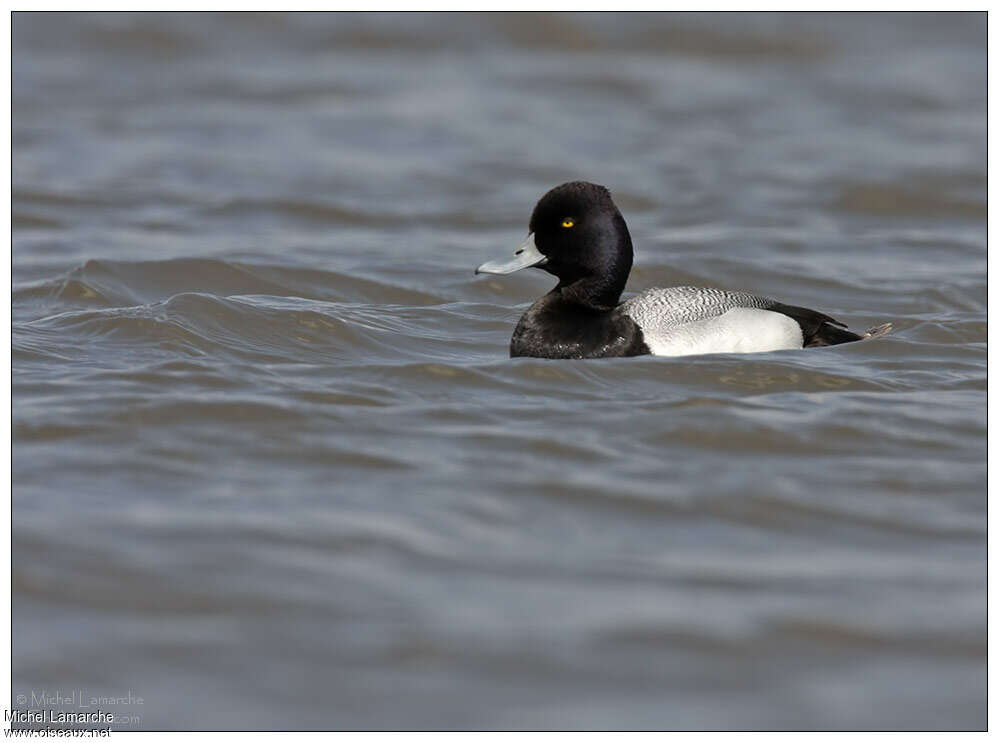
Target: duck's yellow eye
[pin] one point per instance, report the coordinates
(568, 222)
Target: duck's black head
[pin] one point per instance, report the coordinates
(577, 234)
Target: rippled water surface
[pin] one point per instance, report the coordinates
(273, 467)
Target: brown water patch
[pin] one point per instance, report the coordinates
(889, 200)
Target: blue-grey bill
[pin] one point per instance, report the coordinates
(526, 256)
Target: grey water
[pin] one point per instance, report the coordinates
(273, 467)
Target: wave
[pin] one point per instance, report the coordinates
(137, 282)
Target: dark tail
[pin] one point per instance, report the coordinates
(831, 335)
(821, 330)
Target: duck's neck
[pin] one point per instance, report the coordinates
(591, 293)
(600, 288)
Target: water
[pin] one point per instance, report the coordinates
(272, 466)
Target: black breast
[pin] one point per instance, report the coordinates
(554, 328)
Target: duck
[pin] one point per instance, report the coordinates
(577, 234)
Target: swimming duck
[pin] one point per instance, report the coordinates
(577, 233)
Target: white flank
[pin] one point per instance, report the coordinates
(739, 330)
